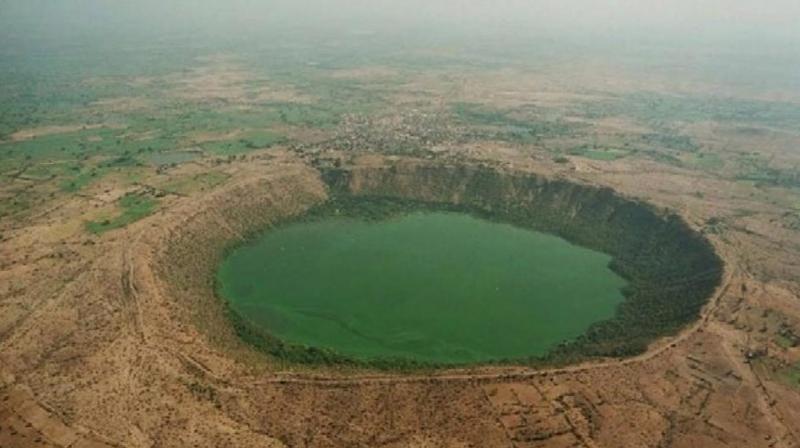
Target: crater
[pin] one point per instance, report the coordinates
(415, 263)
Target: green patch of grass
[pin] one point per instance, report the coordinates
(705, 161)
(172, 157)
(754, 168)
(681, 143)
(248, 142)
(309, 115)
(124, 160)
(11, 167)
(55, 156)
(16, 204)
(81, 180)
(783, 341)
(481, 115)
(48, 147)
(41, 172)
(605, 154)
(263, 139)
(560, 159)
(197, 182)
(791, 376)
(203, 392)
(662, 157)
(134, 207)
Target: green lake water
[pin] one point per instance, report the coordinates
(431, 286)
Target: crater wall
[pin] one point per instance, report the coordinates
(672, 270)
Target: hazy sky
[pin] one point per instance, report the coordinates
(755, 32)
(749, 41)
(756, 18)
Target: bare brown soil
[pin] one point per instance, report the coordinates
(111, 341)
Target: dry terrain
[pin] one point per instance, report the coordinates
(110, 334)
(98, 349)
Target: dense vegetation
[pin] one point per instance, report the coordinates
(133, 208)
